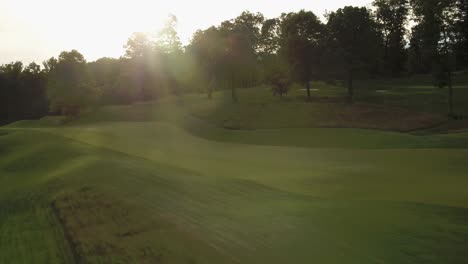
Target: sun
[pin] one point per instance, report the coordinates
(101, 28)
(95, 28)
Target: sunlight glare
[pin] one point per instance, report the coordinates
(98, 28)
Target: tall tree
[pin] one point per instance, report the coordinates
(138, 45)
(22, 92)
(69, 86)
(250, 24)
(236, 48)
(244, 43)
(354, 36)
(437, 20)
(418, 61)
(392, 16)
(207, 49)
(34, 92)
(239, 39)
(104, 73)
(142, 68)
(448, 48)
(167, 39)
(10, 75)
(270, 37)
(302, 34)
(271, 64)
(461, 29)
(170, 54)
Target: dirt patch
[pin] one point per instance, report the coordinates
(377, 117)
(102, 229)
(68, 237)
(317, 112)
(447, 127)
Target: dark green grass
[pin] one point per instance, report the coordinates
(239, 218)
(151, 183)
(205, 211)
(170, 112)
(29, 230)
(416, 93)
(403, 104)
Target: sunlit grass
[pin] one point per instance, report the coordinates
(150, 182)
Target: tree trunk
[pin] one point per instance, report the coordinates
(449, 73)
(308, 89)
(350, 86)
(386, 44)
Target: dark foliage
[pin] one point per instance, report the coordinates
(249, 50)
(22, 92)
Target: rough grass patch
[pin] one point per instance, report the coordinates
(102, 229)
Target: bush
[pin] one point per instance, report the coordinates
(280, 86)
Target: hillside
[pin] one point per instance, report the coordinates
(167, 182)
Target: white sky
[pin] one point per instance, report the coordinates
(34, 30)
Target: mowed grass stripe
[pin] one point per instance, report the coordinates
(191, 198)
(206, 195)
(341, 173)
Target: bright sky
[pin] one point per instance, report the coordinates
(34, 30)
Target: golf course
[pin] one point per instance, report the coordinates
(187, 179)
(234, 132)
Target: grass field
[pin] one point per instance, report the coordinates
(167, 182)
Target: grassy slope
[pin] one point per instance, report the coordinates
(149, 191)
(29, 230)
(397, 105)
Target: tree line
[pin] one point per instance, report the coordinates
(393, 38)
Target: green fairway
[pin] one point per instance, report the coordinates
(183, 132)
(168, 183)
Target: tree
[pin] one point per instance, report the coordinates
(138, 45)
(392, 16)
(69, 86)
(269, 43)
(141, 71)
(447, 48)
(152, 63)
(10, 76)
(22, 92)
(49, 64)
(418, 62)
(277, 75)
(239, 59)
(104, 73)
(461, 30)
(355, 40)
(242, 39)
(167, 39)
(169, 52)
(228, 54)
(207, 50)
(250, 24)
(437, 22)
(234, 56)
(302, 34)
(34, 92)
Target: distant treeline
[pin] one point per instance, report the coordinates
(249, 50)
